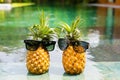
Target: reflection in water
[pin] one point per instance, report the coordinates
(16, 55)
(108, 21)
(91, 71)
(73, 77)
(108, 27)
(44, 76)
(12, 69)
(109, 24)
(93, 38)
(2, 15)
(110, 70)
(12, 36)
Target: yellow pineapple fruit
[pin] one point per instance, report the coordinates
(38, 61)
(37, 57)
(73, 62)
(74, 57)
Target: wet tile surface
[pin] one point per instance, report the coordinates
(93, 71)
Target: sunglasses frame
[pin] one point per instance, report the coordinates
(35, 44)
(64, 43)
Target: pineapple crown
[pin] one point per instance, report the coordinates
(70, 32)
(42, 31)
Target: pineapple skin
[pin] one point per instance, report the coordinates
(38, 62)
(74, 62)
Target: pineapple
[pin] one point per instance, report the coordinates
(38, 61)
(73, 57)
(37, 57)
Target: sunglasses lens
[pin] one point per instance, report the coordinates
(31, 48)
(49, 45)
(62, 43)
(84, 44)
(31, 45)
(81, 43)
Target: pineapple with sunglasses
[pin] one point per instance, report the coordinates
(73, 57)
(37, 58)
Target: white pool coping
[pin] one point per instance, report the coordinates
(105, 5)
(5, 6)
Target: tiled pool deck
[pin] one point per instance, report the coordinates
(93, 70)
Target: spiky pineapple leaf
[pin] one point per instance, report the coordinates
(72, 32)
(58, 31)
(66, 27)
(42, 31)
(75, 24)
(42, 19)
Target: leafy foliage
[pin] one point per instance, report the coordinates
(42, 31)
(70, 32)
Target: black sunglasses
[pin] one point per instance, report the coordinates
(63, 44)
(33, 45)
